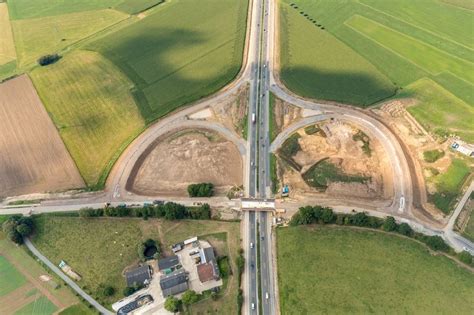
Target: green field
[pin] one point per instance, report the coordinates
(78, 309)
(424, 43)
(103, 247)
(180, 52)
(334, 73)
(448, 185)
(92, 108)
(40, 306)
(46, 35)
(342, 270)
(321, 174)
(7, 46)
(136, 6)
(10, 278)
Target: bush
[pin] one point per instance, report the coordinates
(109, 291)
(465, 257)
(389, 224)
(128, 291)
(190, 297)
(201, 190)
(172, 304)
(405, 229)
(432, 156)
(48, 59)
(291, 146)
(435, 242)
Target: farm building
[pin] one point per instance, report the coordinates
(138, 276)
(168, 262)
(208, 269)
(174, 283)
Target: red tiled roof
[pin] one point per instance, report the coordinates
(205, 272)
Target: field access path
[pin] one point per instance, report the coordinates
(260, 71)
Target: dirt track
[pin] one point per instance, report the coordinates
(33, 157)
(186, 157)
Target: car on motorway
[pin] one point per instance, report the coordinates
(253, 306)
(266, 295)
(251, 245)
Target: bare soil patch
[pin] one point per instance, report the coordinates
(33, 157)
(335, 142)
(233, 113)
(189, 156)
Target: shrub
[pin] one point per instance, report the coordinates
(172, 304)
(190, 297)
(201, 190)
(291, 146)
(405, 229)
(360, 219)
(48, 59)
(389, 224)
(128, 291)
(109, 291)
(433, 155)
(465, 257)
(435, 242)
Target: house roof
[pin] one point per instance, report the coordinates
(205, 272)
(139, 275)
(168, 262)
(209, 254)
(174, 283)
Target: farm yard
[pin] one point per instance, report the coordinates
(104, 247)
(411, 47)
(184, 158)
(26, 288)
(181, 52)
(335, 276)
(33, 158)
(93, 110)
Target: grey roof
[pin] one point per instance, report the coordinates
(174, 283)
(209, 254)
(138, 275)
(168, 262)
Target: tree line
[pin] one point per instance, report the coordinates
(325, 215)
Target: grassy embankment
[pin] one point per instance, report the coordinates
(334, 275)
(103, 247)
(424, 50)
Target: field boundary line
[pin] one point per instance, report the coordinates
(415, 26)
(404, 35)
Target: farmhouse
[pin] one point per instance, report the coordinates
(208, 269)
(138, 276)
(174, 283)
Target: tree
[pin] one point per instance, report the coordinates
(389, 224)
(405, 229)
(465, 257)
(48, 59)
(23, 229)
(201, 190)
(189, 297)
(328, 216)
(174, 211)
(15, 237)
(128, 291)
(436, 242)
(360, 219)
(172, 304)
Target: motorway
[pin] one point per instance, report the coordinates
(260, 71)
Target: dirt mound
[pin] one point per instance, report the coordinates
(189, 156)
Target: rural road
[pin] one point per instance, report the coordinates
(66, 279)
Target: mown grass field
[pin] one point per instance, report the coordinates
(7, 46)
(180, 52)
(103, 247)
(136, 6)
(406, 41)
(39, 306)
(45, 35)
(10, 277)
(344, 270)
(93, 109)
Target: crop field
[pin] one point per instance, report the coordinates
(136, 6)
(336, 274)
(179, 53)
(427, 39)
(45, 35)
(334, 73)
(7, 46)
(93, 110)
(22, 290)
(103, 247)
(33, 157)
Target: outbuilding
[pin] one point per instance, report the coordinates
(138, 276)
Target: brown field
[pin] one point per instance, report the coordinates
(186, 157)
(342, 150)
(33, 157)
